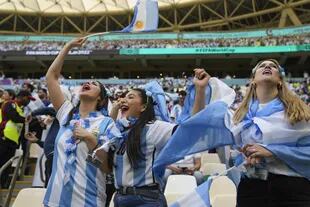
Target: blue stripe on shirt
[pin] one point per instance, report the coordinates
(91, 187)
(119, 161)
(52, 179)
(91, 172)
(66, 193)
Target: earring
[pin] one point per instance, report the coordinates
(253, 84)
(279, 85)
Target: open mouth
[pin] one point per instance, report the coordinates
(124, 108)
(86, 87)
(267, 72)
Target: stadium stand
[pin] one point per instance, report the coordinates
(224, 36)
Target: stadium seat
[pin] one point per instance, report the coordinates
(179, 185)
(212, 168)
(223, 192)
(210, 158)
(30, 197)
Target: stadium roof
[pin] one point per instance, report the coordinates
(80, 17)
(50, 7)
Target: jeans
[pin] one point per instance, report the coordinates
(139, 201)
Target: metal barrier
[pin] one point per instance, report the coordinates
(25, 160)
(6, 203)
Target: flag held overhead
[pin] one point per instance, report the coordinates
(145, 17)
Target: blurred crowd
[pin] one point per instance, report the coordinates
(182, 43)
(32, 96)
(302, 89)
(172, 87)
(189, 43)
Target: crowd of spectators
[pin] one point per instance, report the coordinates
(170, 85)
(181, 43)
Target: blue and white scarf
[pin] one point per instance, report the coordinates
(116, 135)
(71, 143)
(212, 127)
(249, 131)
(154, 90)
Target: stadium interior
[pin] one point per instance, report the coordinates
(225, 37)
(61, 20)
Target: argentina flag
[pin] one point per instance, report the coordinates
(156, 91)
(145, 17)
(203, 131)
(216, 191)
(215, 91)
(200, 197)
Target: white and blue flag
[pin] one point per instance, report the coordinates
(213, 127)
(199, 197)
(215, 91)
(145, 17)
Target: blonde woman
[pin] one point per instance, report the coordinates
(280, 183)
(272, 129)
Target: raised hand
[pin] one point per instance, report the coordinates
(80, 133)
(77, 42)
(201, 78)
(118, 103)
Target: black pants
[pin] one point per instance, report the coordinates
(7, 151)
(48, 169)
(110, 188)
(276, 191)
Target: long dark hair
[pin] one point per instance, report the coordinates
(133, 147)
(100, 105)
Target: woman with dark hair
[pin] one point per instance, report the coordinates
(75, 181)
(133, 156)
(8, 95)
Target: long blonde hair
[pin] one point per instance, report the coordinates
(295, 109)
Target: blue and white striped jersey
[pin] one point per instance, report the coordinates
(153, 138)
(74, 181)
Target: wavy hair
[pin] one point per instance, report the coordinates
(295, 109)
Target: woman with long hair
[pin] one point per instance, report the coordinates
(132, 158)
(271, 125)
(75, 181)
(271, 128)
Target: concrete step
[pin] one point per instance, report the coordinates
(28, 178)
(23, 184)
(6, 191)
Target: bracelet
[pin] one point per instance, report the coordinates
(94, 161)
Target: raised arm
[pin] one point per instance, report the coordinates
(201, 81)
(53, 73)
